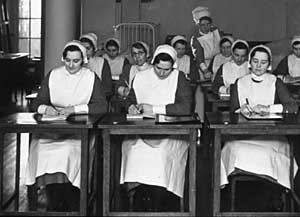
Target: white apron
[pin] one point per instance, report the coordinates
(51, 153)
(95, 64)
(184, 64)
(263, 155)
(232, 71)
(294, 65)
(135, 69)
(210, 44)
(218, 61)
(155, 161)
(116, 65)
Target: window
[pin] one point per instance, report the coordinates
(29, 25)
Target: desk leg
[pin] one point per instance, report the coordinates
(192, 172)
(17, 175)
(1, 168)
(84, 171)
(106, 171)
(216, 172)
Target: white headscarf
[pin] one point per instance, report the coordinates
(115, 40)
(81, 48)
(165, 48)
(228, 37)
(200, 12)
(177, 38)
(296, 38)
(239, 41)
(146, 47)
(92, 37)
(267, 49)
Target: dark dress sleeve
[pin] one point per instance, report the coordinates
(282, 68)
(194, 74)
(97, 103)
(43, 96)
(198, 50)
(218, 81)
(106, 78)
(234, 97)
(124, 77)
(283, 96)
(210, 67)
(183, 98)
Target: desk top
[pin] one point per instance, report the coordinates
(31, 120)
(227, 120)
(118, 121)
(212, 97)
(13, 56)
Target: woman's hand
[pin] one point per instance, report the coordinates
(245, 108)
(67, 110)
(51, 111)
(261, 109)
(146, 108)
(134, 109)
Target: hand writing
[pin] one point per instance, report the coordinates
(134, 109)
(51, 111)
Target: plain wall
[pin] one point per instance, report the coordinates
(253, 20)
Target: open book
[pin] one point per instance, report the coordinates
(267, 116)
(140, 116)
(53, 117)
(177, 119)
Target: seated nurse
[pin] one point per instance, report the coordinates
(158, 161)
(289, 68)
(55, 159)
(266, 155)
(232, 70)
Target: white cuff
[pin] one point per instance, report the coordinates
(203, 67)
(223, 90)
(277, 108)
(81, 109)
(281, 77)
(42, 109)
(159, 109)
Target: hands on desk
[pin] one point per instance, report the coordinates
(259, 109)
(140, 108)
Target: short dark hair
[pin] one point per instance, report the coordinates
(260, 49)
(139, 45)
(86, 40)
(180, 41)
(240, 45)
(72, 48)
(113, 43)
(205, 18)
(163, 57)
(296, 43)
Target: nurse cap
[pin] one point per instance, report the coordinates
(165, 48)
(81, 48)
(92, 37)
(296, 38)
(177, 38)
(200, 12)
(267, 49)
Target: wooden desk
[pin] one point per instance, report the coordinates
(225, 123)
(216, 102)
(29, 122)
(116, 124)
(12, 67)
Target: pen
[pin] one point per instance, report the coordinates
(127, 84)
(247, 101)
(248, 106)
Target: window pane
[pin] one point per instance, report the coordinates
(23, 28)
(24, 45)
(36, 28)
(24, 8)
(36, 9)
(35, 47)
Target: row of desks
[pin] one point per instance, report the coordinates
(106, 125)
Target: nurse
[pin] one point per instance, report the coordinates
(232, 70)
(140, 54)
(116, 61)
(158, 161)
(185, 63)
(95, 63)
(55, 159)
(260, 92)
(224, 56)
(205, 41)
(289, 68)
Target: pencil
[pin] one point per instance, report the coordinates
(127, 84)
